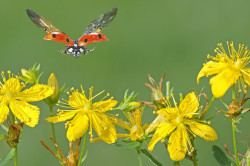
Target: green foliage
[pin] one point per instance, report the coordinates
(220, 156)
(9, 157)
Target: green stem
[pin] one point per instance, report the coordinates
(83, 148)
(13, 122)
(139, 156)
(194, 154)
(205, 112)
(233, 92)
(52, 124)
(234, 140)
(16, 155)
(53, 132)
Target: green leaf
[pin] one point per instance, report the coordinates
(4, 128)
(84, 157)
(150, 157)
(131, 145)
(2, 136)
(220, 156)
(236, 128)
(9, 157)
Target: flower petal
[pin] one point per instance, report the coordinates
(204, 131)
(189, 105)
(222, 81)
(211, 68)
(162, 131)
(62, 116)
(13, 85)
(4, 111)
(168, 113)
(103, 126)
(177, 143)
(27, 113)
(104, 105)
(153, 126)
(77, 99)
(35, 93)
(246, 75)
(77, 127)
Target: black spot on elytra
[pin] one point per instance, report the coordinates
(86, 40)
(99, 36)
(54, 35)
(67, 39)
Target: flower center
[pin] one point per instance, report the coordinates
(9, 95)
(179, 119)
(238, 64)
(87, 106)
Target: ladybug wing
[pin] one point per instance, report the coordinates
(92, 32)
(91, 38)
(53, 33)
(101, 22)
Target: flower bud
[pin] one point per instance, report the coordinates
(52, 82)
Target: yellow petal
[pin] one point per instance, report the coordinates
(153, 126)
(77, 127)
(168, 113)
(162, 131)
(27, 113)
(189, 104)
(211, 68)
(246, 75)
(204, 131)
(4, 111)
(177, 143)
(222, 81)
(77, 100)
(104, 106)
(120, 122)
(35, 93)
(12, 85)
(62, 116)
(104, 127)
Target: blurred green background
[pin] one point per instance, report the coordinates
(145, 37)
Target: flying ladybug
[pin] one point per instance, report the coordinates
(75, 46)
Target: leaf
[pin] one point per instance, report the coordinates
(150, 157)
(2, 136)
(84, 157)
(9, 157)
(220, 156)
(4, 128)
(131, 145)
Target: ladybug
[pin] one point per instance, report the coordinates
(75, 46)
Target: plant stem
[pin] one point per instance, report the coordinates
(83, 148)
(52, 124)
(53, 132)
(233, 92)
(205, 112)
(234, 140)
(139, 155)
(13, 122)
(194, 154)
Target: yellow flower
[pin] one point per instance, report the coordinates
(134, 126)
(179, 123)
(228, 69)
(12, 97)
(84, 113)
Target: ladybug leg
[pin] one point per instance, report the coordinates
(88, 50)
(64, 52)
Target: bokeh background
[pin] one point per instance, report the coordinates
(145, 37)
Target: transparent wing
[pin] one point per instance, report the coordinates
(41, 22)
(101, 22)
